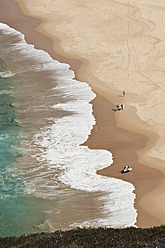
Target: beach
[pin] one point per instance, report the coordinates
(112, 46)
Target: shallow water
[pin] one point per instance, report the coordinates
(48, 179)
(19, 213)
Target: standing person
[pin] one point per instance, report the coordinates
(123, 92)
(122, 106)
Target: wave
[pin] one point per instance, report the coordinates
(63, 159)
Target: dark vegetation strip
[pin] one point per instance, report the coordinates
(100, 237)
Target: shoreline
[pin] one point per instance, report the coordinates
(100, 105)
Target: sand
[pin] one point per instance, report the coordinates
(113, 46)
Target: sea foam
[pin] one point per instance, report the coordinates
(61, 148)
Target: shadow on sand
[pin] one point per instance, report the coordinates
(123, 172)
(117, 109)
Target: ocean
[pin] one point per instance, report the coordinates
(48, 179)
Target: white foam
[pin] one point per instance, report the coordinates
(79, 163)
(42, 60)
(76, 164)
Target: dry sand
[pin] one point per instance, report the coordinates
(121, 46)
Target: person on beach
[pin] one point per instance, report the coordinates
(123, 92)
(118, 107)
(126, 168)
(122, 106)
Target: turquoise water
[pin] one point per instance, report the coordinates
(19, 213)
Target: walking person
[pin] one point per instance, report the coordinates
(123, 92)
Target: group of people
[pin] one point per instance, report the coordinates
(120, 107)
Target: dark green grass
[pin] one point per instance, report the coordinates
(100, 237)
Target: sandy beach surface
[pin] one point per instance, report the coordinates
(113, 46)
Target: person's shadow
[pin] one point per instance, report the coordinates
(114, 110)
(117, 109)
(123, 172)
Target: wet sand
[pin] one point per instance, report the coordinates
(128, 137)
